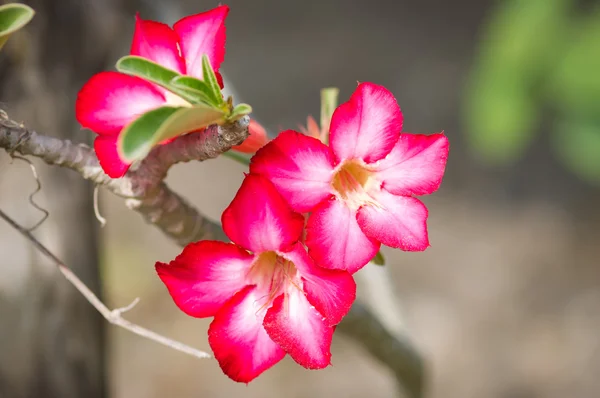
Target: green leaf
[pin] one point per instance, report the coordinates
(503, 96)
(155, 73)
(523, 37)
(501, 119)
(577, 144)
(12, 18)
(574, 87)
(196, 87)
(146, 69)
(209, 77)
(329, 100)
(139, 137)
(378, 259)
(239, 111)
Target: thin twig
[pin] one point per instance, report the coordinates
(112, 316)
(99, 217)
(37, 189)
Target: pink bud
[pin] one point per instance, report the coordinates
(256, 140)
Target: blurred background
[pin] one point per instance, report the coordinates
(504, 304)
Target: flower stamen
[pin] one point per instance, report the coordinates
(278, 272)
(353, 183)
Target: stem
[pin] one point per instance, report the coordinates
(238, 157)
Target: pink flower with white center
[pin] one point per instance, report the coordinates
(267, 296)
(111, 100)
(360, 190)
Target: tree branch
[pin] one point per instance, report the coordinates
(395, 352)
(145, 192)
(142, 186)
(112, 316)
(375, 321)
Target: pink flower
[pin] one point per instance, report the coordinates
(360, 190)
(267, 296)
(111, 100)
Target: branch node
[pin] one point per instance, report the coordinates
(115, 314)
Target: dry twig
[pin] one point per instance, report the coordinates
(112, 316)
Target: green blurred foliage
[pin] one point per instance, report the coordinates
(539, 62)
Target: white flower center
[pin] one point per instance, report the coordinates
(274, 273)
(352, 183)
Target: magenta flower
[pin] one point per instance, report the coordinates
(360, 190)
(111, 100)
(267, 296)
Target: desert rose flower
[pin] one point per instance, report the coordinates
(111, 100)
(360, 190)
(267, 296)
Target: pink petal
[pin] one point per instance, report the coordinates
(257, 138)
(238, 339)
(331, 292)
(300, 167)
(298, 328)
(219, 77)
(335, 240)
(398, 221)
(106, 151)
(205, 275)
(157, 42)
(110, 100)
(415, 166)
(367, 126)
(259, 219)
(200, 34)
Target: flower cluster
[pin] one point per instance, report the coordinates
(307, 216)
(110, 101)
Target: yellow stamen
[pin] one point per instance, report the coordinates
(276, 271)
(354, 183)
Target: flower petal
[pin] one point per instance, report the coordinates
(298, 328)
(110, 100)
(259, 219)
(238, 339)
(200, 34)
(157, 42)
(367, 126)
(415, 166)
(257, 138)
(331, 292)
(300, 167)
(205, 275)
(335, 240)
(106, 152)
(398, 221)
(219, 77)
